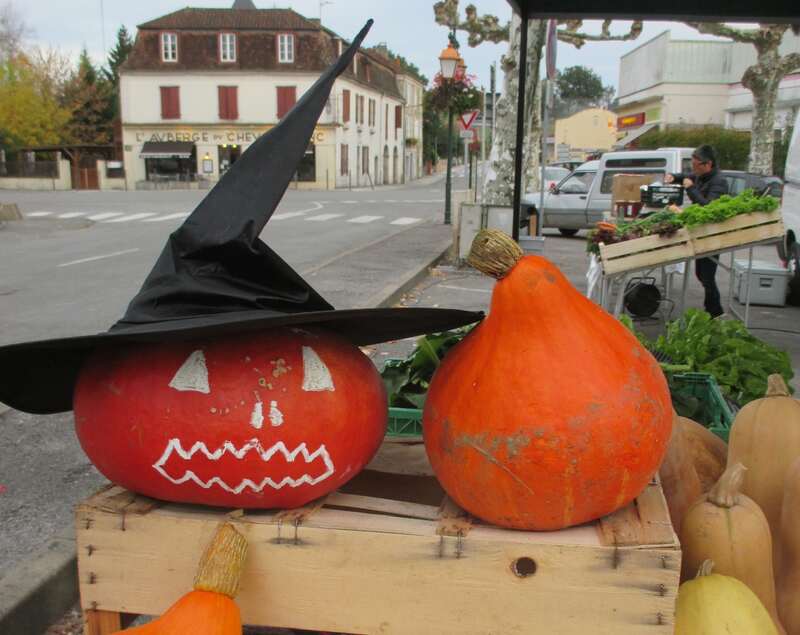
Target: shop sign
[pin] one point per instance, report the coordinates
(630, 121)
(215, 137)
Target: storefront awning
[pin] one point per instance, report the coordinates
(633, 135)
(166, 149)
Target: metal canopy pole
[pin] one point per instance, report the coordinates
(523, 71)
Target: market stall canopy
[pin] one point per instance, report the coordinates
(633, 135)
(166, 149)
(679, 10)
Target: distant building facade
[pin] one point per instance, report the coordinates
(202, 84)
(584, 133)
(693, 82)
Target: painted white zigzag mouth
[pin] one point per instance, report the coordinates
(174, 445)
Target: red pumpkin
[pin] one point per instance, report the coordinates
(549, 413)
(258, 420)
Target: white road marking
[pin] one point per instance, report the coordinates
(301, 212)
(158, 219)
(350, 202)
(82, 260)
(390, 200)
(33, 214)
(129, 217)
(324, 217)
(364, 219)
(452, 286)
(405, 220)
(105, 215)
(71, 214)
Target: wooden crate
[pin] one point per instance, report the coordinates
(649, 251)
(384, 556)
(740, 230)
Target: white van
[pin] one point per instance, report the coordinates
(790, 250)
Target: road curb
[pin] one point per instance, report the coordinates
(392, 295)
(36, 593)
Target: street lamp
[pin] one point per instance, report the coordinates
(449, 61)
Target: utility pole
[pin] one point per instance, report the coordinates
(322, 3)
(492, 72)
(483, 144)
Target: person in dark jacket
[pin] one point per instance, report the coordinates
(703, 185)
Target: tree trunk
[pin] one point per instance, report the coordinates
(499, 182)
(763, 79)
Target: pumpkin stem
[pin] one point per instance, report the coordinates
(725, 492)
(221, 565)
(776, 386)
(494, 253)
(705, 568)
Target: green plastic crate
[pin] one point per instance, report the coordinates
(712, 409)
(404, 422)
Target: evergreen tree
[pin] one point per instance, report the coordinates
(89, 98)
(118, 55)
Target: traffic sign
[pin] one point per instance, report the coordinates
(468, 118)
(467, 134)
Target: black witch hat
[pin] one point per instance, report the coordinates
(215, 276)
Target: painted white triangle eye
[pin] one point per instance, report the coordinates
(316, 376)
(192, 375)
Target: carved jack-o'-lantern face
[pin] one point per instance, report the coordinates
(264, 420)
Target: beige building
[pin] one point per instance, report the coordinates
(202, 84)
(583, 133)
(693, 82)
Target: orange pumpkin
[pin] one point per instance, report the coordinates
(209, 609)
(549, 413)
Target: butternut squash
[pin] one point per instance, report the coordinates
(788, 573)
(715, 604)
(729, 528)
(709, 453)
(679, 478)
(765, 437)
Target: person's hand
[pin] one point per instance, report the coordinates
(687, 183)
(668, 178)
(674, 208)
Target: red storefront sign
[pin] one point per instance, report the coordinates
(630, 121)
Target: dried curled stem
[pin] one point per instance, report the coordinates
(705, 569)
(725, 492)
(776, 386)
(494, 253)
(221, 565)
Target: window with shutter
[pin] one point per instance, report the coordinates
(386, 122)
(398, 114)
(345, 159)
(170, 102)
(345, 106)
(228, 102)
(287, 96)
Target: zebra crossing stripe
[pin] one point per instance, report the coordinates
(405, 220)
(158, 219)
(364, 219)
(105, 215)
(34, 214)
(284, 215)
(323, 217)
(129, 217)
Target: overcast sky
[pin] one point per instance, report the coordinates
(407, 26)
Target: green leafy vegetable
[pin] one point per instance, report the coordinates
(407, 380)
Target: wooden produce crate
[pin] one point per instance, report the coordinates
(390, 554)
(649, 251)
(740, 230)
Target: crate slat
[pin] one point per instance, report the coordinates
(646, 252)
(737, 231)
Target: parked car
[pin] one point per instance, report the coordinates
(570, 166)
(553, 175)
(580, 199)
(739, 181)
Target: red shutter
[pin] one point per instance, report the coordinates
(398, 113)
(287, 96)
(228, 102)
(170, 102)
(345, 106)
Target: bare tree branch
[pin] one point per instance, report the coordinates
(723, 30)
(571, 35)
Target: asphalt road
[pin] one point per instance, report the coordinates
(71, 266)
